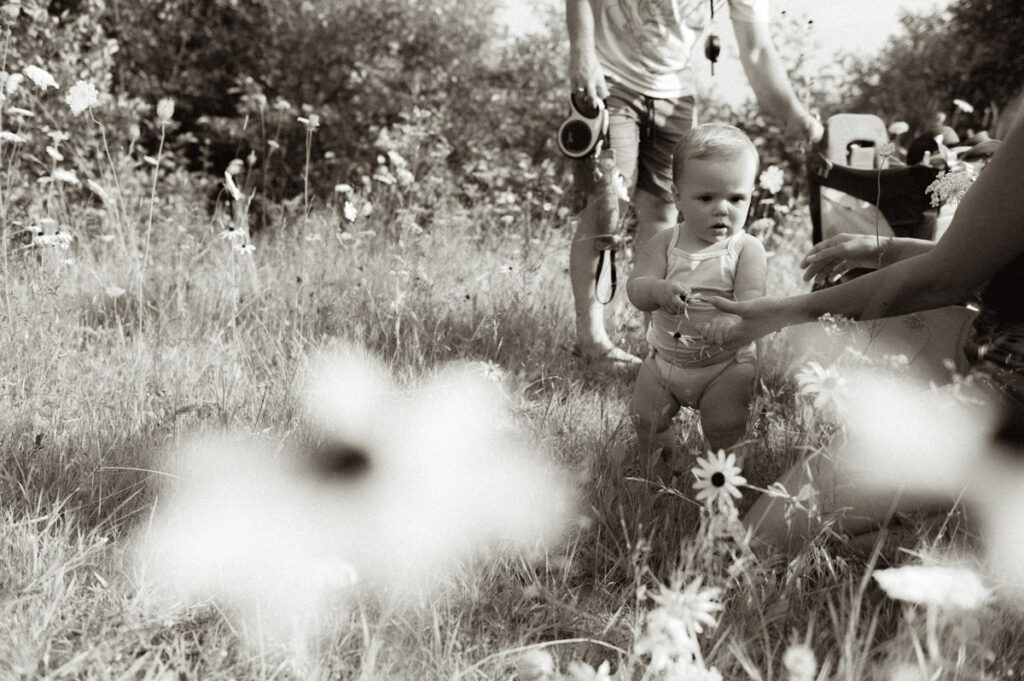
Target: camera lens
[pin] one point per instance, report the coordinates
(576, 136)
(583, 104)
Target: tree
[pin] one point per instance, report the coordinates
(968, 52)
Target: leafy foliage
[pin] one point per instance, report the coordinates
(969, 52)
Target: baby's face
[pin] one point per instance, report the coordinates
(713, 195)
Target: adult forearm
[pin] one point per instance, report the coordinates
(768, 78)
(896, 249)
(901, 288)
(579, 19)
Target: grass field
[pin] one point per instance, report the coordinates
(108, 360)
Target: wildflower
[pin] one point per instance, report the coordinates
(11, 137)
(349, 211)
(950, 185)
(312, 122)
(535, 665)
(54, 153)
(343, 188)
(823, 383)
(165, 110)
(114, 291)
(18, 111)
(799, 662)
(404, 176)
(383, 175)
(65, 176)
(899, 127)
(236, 166)
(490, 370)
(718, 479)
(771, 179)
(281, 105)
(81, 96)
(245, 249)
(581, 671)
(10, 11)
(887, 150)
(59, 239)
(41, 78)
(13, 82)
(691, 608)
(97, 189)
(933, 585)
(761, 227)
(965, 107)
(397, 160)
(234, 236)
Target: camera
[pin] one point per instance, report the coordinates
(586, 125)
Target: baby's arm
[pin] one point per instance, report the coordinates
(647, 287)
(751, 270)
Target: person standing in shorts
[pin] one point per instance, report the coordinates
(634, 55)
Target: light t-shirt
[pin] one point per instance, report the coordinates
(647, 45)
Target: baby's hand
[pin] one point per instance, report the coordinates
(672, 297)
(718, 330)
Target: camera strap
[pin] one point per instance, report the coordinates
(606, 191)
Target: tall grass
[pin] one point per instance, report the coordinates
(100, 376)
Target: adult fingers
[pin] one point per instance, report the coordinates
(725, 305)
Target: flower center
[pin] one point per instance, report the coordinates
(718, 479)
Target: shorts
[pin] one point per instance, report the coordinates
(687, 385)
(643, 131)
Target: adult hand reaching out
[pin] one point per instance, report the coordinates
(841, 253)
(757, 318)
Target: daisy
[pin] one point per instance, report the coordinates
(823, 383)
(81, 96)
(718, 479)
(692, 608)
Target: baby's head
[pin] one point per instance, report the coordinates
(713, 171)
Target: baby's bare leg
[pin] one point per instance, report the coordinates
(651, 411)
(725, 406)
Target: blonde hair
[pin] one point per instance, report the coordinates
(717, 141)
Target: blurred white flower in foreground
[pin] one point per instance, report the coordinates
(401, 487)
(935, 585)
(941, 446)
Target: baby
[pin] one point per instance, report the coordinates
(706, 254)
